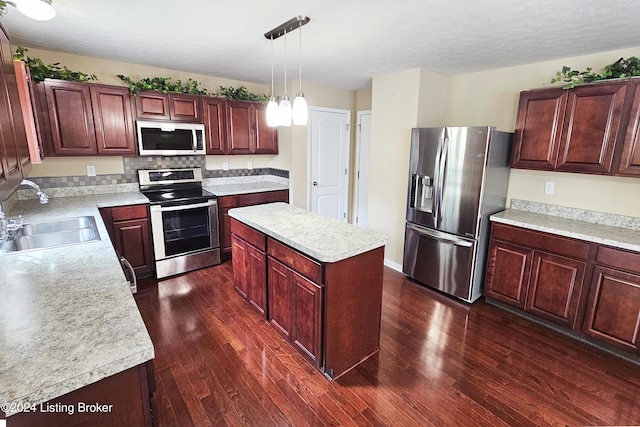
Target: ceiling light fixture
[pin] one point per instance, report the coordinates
(285, 112)
(40, 10)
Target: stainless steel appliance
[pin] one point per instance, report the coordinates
(458, 177)
(184, 220)
(170, 138)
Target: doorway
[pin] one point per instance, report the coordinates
(329, 161)
(363, 151)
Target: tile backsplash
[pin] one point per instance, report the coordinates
(132, 164)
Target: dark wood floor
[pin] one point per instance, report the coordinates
(441, 363)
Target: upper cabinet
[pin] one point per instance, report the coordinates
(247, 130)
(15, 162)
(630, 160)
(172, 106)
(214, 130)
(576, 130)
(88, 119)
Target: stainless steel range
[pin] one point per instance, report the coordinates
(184, 220)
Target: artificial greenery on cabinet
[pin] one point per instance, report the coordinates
(622, 68)
(40, 71)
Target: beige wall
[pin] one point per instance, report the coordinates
(418, 97)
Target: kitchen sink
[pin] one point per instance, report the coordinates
(50, 234)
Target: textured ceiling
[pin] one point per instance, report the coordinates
(345, 44)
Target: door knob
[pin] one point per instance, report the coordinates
(315, 183)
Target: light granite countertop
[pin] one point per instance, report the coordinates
(616, 236)
(69, 318)
(245, 185)
(319, 237)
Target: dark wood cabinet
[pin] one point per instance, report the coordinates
(113, 120)
(538, 128)
(537, 272)
(15, 162)
(575, 130)
(213, 118)
(590, 128)
(613, 310)
(246, 129)
(630, 159)
(172, 106)
(88, 119)
(129, 229)
(250, 265)
(240, 200)
(122, 399)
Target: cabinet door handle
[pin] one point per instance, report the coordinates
(315, 183)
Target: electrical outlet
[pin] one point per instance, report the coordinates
(91, 170)
(225, 166)
(549, 187)
(249, 165)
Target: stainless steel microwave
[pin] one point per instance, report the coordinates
(170, 138)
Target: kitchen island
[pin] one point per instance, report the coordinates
(71, 325)
(316, 280)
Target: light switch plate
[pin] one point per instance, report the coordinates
(249, 165)
(549, 187)
(91, 170)
(225, 166)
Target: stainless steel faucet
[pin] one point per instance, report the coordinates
(42, 197)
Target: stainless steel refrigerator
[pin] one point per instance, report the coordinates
(458, 177)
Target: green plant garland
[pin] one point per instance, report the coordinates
(622, 68)
(40, 71)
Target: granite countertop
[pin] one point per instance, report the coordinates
(69, 318)
(232, 186)
(556, 223)
(319, 237)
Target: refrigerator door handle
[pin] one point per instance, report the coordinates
(435, 206)
(443, 171)
(441, 236)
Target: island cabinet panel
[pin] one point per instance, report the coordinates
(123, 399)
(538, 127)
(613, 310)
(537, 272)
(329, 311)
(591, 127)
(249, 271)
(630, 160)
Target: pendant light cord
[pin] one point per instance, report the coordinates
(272, 66)
(285, 62)
(300, 59)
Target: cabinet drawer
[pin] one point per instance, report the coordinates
(124, 213)
(629, 261)
(264, 197)
(295, 260)
(539, 240)
(248, 234)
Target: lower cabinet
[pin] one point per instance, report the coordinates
(613, 310)
(295, 309)
(129, 229)
(122, 399)
(329, 311)
(589, 288)
(240, 200)
(537, 272)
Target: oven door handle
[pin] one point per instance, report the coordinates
(158, 208)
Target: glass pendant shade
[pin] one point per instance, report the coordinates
(300, 110)
(286, 115)
(40, 10)
(273, 113)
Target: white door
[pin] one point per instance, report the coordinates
(363, 150)
(329, 161)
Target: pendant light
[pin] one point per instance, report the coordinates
(300, 109)
(273, 119)
(285, 112)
